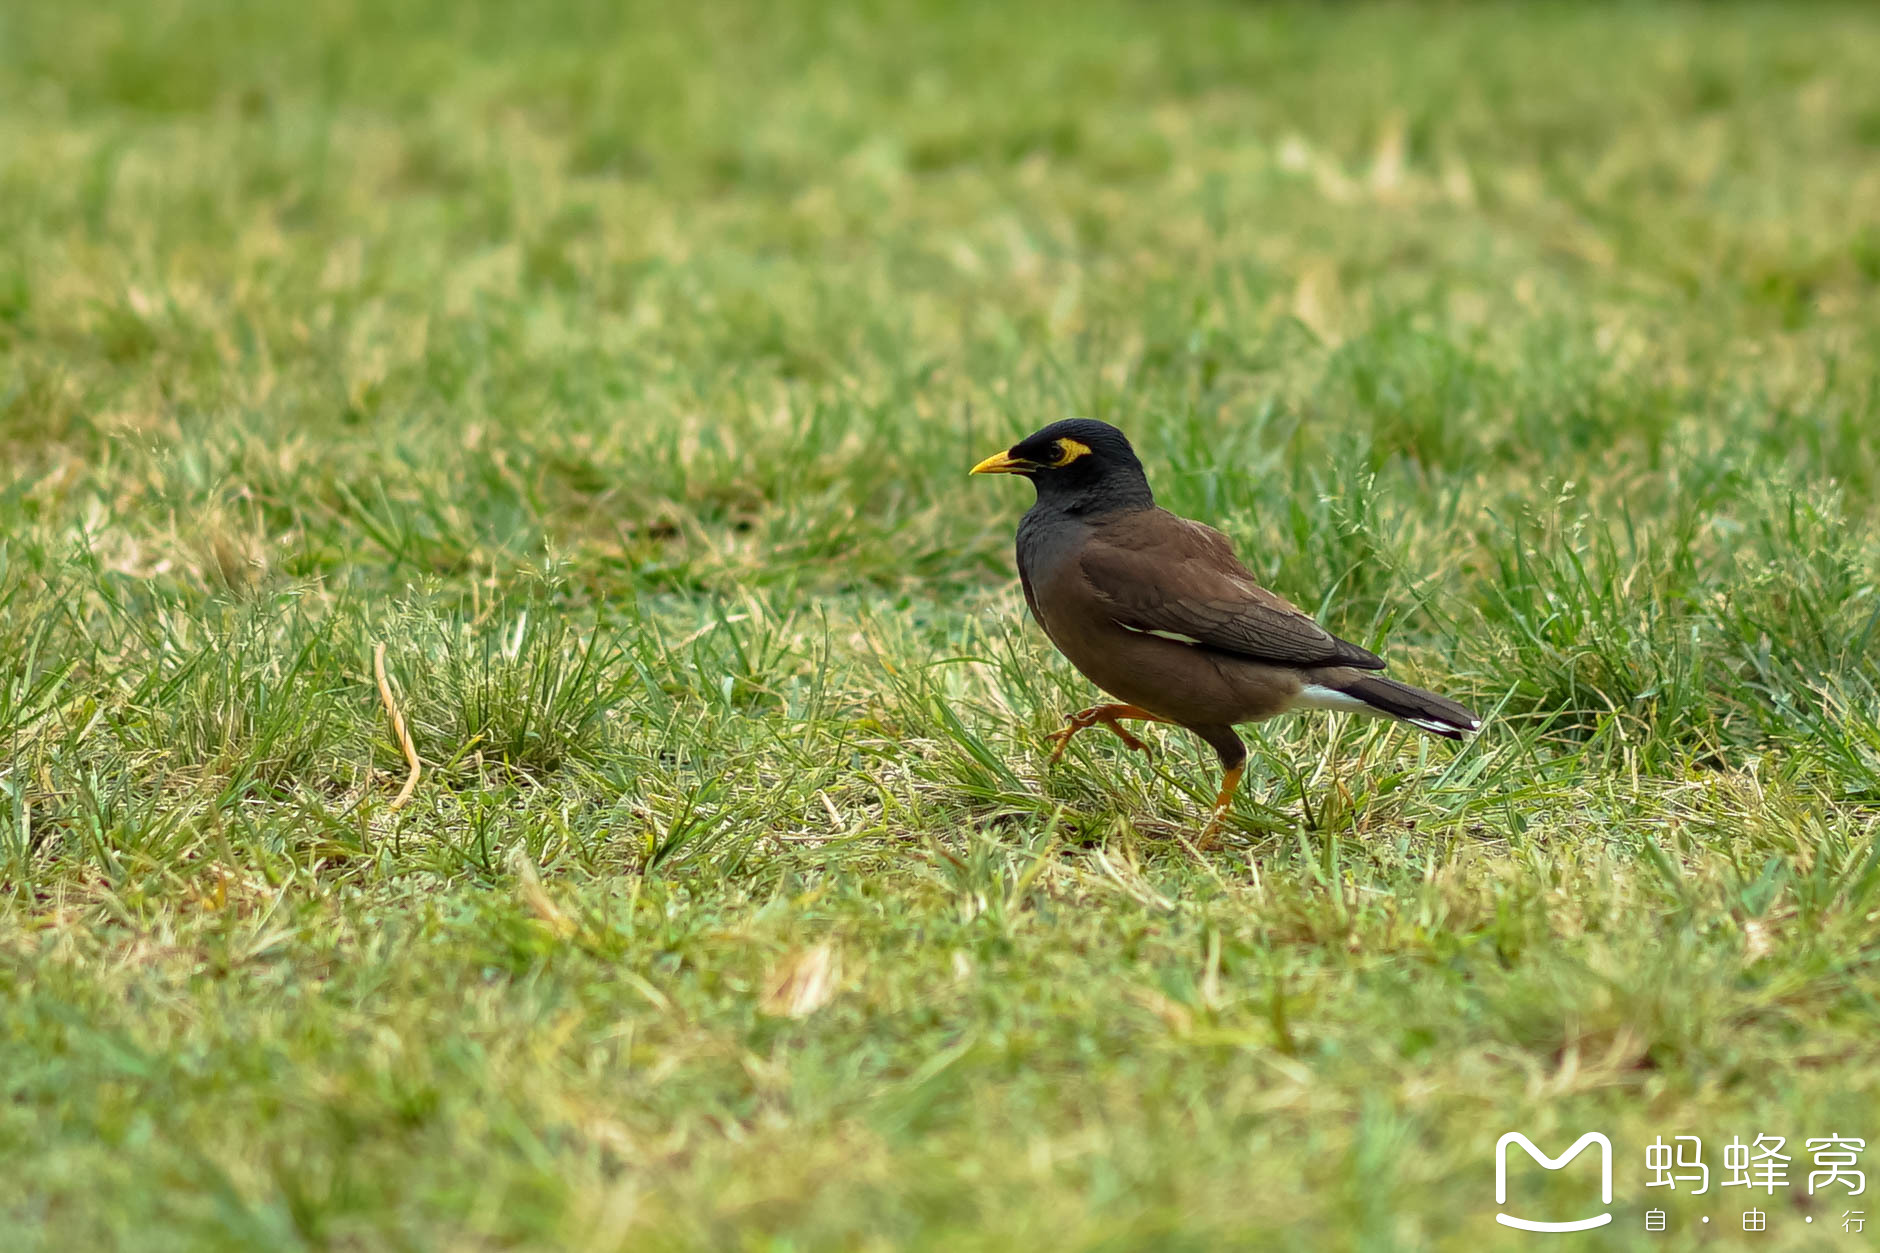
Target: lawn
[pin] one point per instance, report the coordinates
(617, 369)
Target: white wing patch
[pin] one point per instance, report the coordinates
(1177, 636)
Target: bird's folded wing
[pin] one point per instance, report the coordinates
(1189, 587)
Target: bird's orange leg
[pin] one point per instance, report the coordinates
(1108, 715)
(1223, 801)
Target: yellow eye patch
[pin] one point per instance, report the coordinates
(1070, 450)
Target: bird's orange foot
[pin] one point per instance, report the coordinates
(1209, 841)
(1210, 838)
(1106, 715)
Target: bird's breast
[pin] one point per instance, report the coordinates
(1048, 541)
(1048, 544)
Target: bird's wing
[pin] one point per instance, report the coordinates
(1164, 575)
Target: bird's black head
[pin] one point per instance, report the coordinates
(1080, 464)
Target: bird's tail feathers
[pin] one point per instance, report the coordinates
(1381, 697)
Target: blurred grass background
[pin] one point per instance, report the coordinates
(618, 367)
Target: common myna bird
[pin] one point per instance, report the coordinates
(1157, 611)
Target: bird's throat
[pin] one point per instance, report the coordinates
(1112, 493)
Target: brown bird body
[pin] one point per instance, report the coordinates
(1157, 611)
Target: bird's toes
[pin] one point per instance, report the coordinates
(1209, 842)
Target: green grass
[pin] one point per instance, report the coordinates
(618, 371)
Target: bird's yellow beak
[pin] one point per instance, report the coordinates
(1002, 463)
